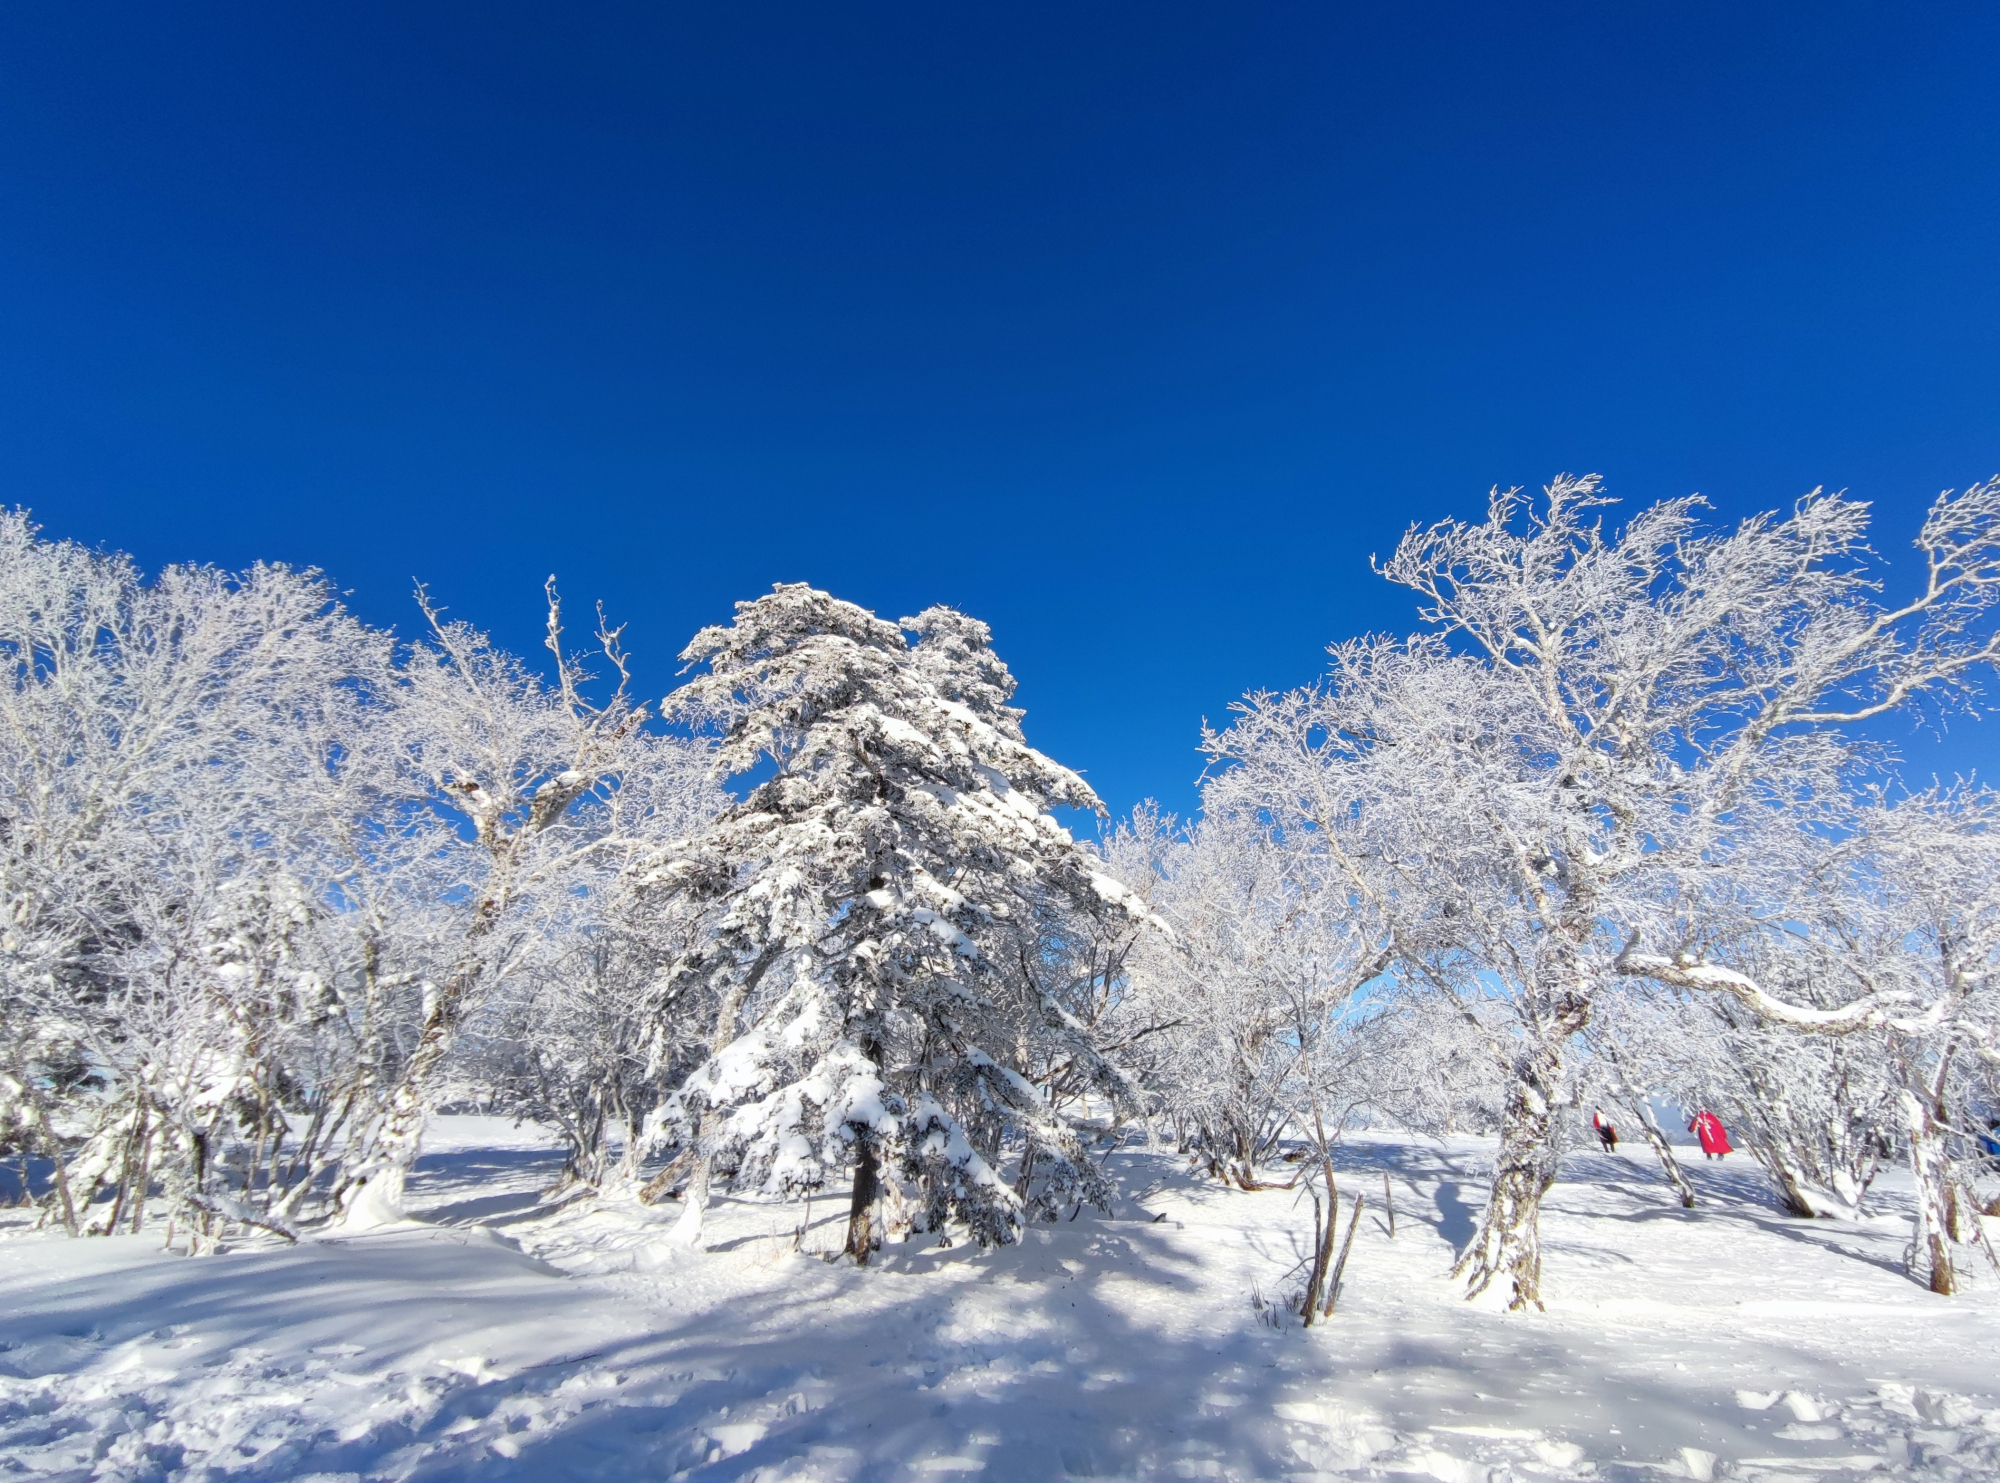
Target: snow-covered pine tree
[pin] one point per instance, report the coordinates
(876, 907)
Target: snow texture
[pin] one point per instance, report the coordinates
(502, 1338)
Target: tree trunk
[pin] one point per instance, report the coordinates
(661, 1185)
(1931, 1244)
(1656, 1137)
(1947, 1218)
(1340, 1267)
(1507, 1247)
(130, 1165)
(861, 1208)
(694, 1210)
(374, 1192)
(1792, 1187)
(687, 1230)
(1322, 1248)
(1026, 1176)
(1669, 1165)
(142, 1180)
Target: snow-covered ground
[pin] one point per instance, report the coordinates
(501, 1340)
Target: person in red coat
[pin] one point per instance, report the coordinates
(1714, 1140)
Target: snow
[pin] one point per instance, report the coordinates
(499, 1338)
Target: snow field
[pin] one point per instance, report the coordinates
(501, 1339)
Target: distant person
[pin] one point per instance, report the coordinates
(1606, 1134)
(1714, 1139)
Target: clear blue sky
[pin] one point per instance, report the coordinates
(1131, 328)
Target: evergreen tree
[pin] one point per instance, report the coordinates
(882, 908)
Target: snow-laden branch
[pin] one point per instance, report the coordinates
(1884, 1008)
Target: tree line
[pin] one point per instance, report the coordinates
(276, 885)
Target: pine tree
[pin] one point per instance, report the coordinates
(881, 909)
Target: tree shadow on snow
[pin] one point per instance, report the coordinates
(1458, 1218)
(1732, 1195)
(1049, 1359)
(1090, 1348)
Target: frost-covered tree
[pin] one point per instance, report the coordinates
(180, 781)
(567, 1045)
(579, 1041)
(1885, 941)
(875, 911)
(1246, 1018)
(1437, 1073)
(1251, 1017)
(254, 873)
(1589, 713)
(1817, 1113)
(537, 774)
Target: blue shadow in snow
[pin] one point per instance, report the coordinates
(1456, 1219)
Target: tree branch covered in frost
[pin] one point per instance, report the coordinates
(1889, 930)
(1592, 718)
(236, 912)
(1249, 1015)
(539, 775)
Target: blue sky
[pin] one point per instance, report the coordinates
(1131, 328)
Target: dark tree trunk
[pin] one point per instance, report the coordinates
(1322, 1248)
(861, 1209)
(1340, 1267)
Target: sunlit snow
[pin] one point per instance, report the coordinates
(500, 1338)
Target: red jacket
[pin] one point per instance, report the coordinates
(1708, 1128)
